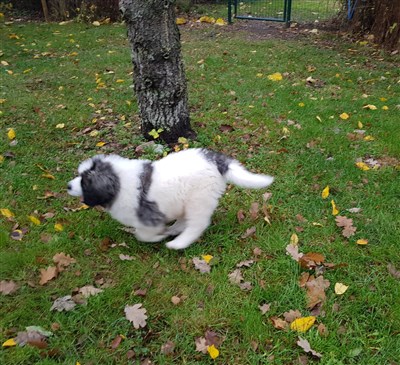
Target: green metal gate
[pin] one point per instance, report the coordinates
(273, 10)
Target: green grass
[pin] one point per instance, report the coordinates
(225, 88)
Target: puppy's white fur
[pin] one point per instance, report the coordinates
(185, 187)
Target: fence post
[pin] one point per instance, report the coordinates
(230, 11)
(288, 12)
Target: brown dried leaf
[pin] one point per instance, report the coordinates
(347, 225)
(89, 290)
(212, 338)
(201, 265)
(249, 232)
(116, 342)
(8, 287)
(279, 323)
(136, 315)
(322, 330)
(254, 209)
(201, 345)
(240, 216)
(264, 308)
(392, 271)
(246, 263)
(63, 304)
(175, 300)
(316, 291)
(168, 348)
(62, 260)
(257, 251)
(293, 251)
(48, 274)
(305, 345)
(291, 315)
(311, 259)
(246, 286)
(235, 277)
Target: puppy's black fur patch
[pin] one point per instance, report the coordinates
(218, 159)
(100, 184)
(148, 211)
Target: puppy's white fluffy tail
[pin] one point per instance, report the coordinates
(238, 175)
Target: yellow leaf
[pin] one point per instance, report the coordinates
(100, 144)
(385, 107)
(207, 258)
(48, 176)
(1, 159)
(362, 242)
(325, 192)
(277, 76)
(11, 134)
(60, 126)
(319, 118)
(344, 116)
(78, 363)
(294, 239)
(2, 101)
(362, 166)
(207, 19)
(73, 54)
(27, 70)
(220, 21)
(5, 63)
(6, 212)
(285, 131)
(181, 21)
(155, 133)
(58, 227)
(119, 81)
(96, 23)
(382, 99)
(213, 351)
(340, 288)
(370, 107)
(9, 343)
(369, 138)
(302, 324)
(259, 75)
(302, 105)
(34, 220)
(334, 209)
(359, 125)
(182, 140)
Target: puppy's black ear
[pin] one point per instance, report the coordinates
(100, 184)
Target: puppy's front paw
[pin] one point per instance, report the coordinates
(175, 245)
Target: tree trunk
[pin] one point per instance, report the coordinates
(159, 75)
(380, 18)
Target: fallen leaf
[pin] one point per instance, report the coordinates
(48, 274)
(334, 209)
(201, 265)
(136, 315)
(58, 227)
(34, 220)
(362, 166)
(9, 343)
(316, 291)
(175, 300)
(293, 251)
(181, 21)
(370, 107)
(235, 277)
(264, 308)
(354, 210)
(344, 116)
(246, 286)
(48, 176)
(62, 261)
(347, 225)
(305, 345)
(6, 213)
(201, 345)
(17, 235)
(362, 241)
(392, 271)
(311, 259)
(322, 330)
(249, 232)
(168, 348)
(213, 351)
(116, 342)
(207, 258)
(302, 324)
(340, 288)
(277, 76)
(240, 216)
(246, 263)
(325, 192)
(89, 290)
(220, 22)
(11, 134)
(8, 287)
(279, 323)
(254, 209)
(294, 239)
(126, 257)
(63, 304)
(60, 126)
(291, 315)
(207, 19)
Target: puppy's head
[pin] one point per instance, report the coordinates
(97, 183)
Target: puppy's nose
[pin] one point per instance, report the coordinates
(69, 186)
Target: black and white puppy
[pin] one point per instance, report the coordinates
(183, 188)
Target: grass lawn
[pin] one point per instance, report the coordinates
(66, 88)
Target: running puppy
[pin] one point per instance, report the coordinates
(183, 188)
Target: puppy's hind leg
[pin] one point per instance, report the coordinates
(176, 228)
(147, 234)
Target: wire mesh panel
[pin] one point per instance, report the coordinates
(261, 9)
(306, 11)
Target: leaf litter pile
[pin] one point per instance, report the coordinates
(136, 319)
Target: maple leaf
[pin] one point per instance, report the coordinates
(136, 315)
(311, 259)
(246, 286)
(291, 315)
(249, 232)
(48, 274)
(279, 323)
(201, 265)
(201, 345)
(347, 225)
(246, 263)
(305, 345)
(63, 304)
(8, 287)
(89, 290)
